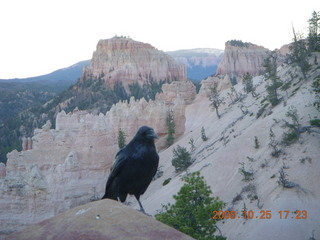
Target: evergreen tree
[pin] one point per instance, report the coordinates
(299, 53)
(316, 89)
(215, 99)
(270, 65)
(248, 83)
(121, 139)
(171, 128)
(314, 32)
(181, 158)
(203, 135)
(192, 211)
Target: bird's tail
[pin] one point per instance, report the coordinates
(110, 193)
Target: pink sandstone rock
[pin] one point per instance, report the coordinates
(129, 61)
(105, 219)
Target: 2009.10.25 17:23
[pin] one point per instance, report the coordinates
(263, 214)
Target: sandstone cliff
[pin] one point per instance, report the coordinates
(129, 61)
(241, 58)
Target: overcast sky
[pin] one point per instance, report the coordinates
(40, 36)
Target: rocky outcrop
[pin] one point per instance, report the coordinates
(127, 61)
(68, 166)
(240, 58)
(223, 82)
(106, 219)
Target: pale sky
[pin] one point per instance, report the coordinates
(40, 36)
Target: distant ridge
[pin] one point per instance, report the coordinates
(68, 74)
(200, 62)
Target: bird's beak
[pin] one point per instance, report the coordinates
(154, 135)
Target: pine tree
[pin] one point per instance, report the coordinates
(192, 211)
(270, 65)
(314, 32)
(299, 53)
(248, 83)
(171, 127)
(215, 99)
(181, 158)
(121, 138)
(203, 135)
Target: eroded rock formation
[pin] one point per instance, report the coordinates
(242, 58)
(129, 61)
(68, 166)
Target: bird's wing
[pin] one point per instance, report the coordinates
(121, 158)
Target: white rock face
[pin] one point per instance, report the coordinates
(240, 60)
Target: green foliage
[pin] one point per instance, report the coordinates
(214, 98)
(315, 122)
(316, 89)
(238, 43)
(203, 135)
(181, 159)
(270, 65)
(283, 180)
(247, 175)
(292, 135)
(192, 211)
(121, 138)
(165, 182)
(314, 31)
(248, 83)
(147, 90)
(171, 127)
(299, 53)
(192, 146)
(274, 144)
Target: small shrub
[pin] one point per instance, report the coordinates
(181, 159)
(248, 175)
(283, 181)
(303, 160)
(274, 144)
(256, 143)
(237, 198)
(192, 147)
(203, 135)
(315, 122)
(165, 182)
(290, 137)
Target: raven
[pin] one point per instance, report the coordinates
(134, 167)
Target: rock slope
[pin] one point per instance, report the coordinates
(231, 145)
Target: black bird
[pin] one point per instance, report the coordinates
(134, 167)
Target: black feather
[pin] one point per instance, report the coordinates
(134, 167)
